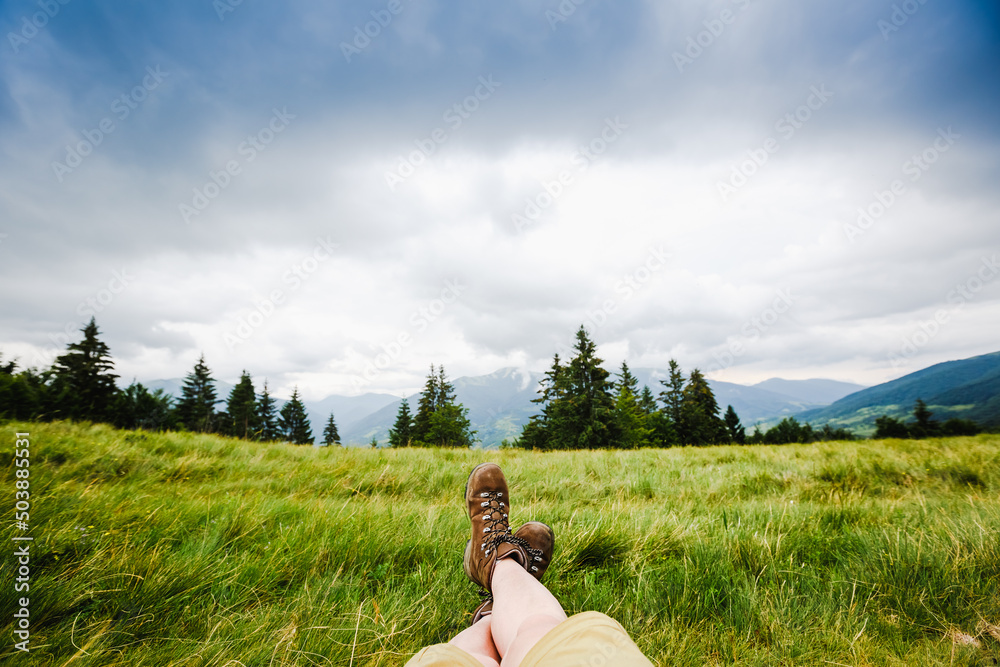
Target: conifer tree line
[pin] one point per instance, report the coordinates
(583, 407)
(439, 421)
(80, 386)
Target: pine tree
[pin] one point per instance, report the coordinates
(700, 420)
(450, 427)
(241, 409)
(330, 435)
(535, 434)
(647, 402)
(672, 398)
(439, 421)
(925, 426)
(425, 408)
(266, 417)
(83, 382)
(294, 422)
(401, 433)
(196, 408)
(737, 433)
(634, 432)
(584, 418)
(444, 390)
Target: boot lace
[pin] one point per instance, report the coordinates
(497, 529)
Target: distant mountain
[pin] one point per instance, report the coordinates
(967, 388)
(818, 392)
(499, 405)
(347, 410)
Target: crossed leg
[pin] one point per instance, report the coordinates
(523, 611)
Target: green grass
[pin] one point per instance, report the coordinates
(181, 549)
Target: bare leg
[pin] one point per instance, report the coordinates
(523, 611)
(477, 641)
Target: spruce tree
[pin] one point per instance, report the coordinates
(196, 408)
(330, 435)
(294, 423)
(266, 417)
(584, 418)
(241, 409)
(401, 433)
(737, 433)
(83, 383)
(439, 421)
(672, 398)
(535, 434)
(700, 421)
(450, 427)
(634, 433)
(647, 402)
(444, 390)
(425, 407)
(925, 426)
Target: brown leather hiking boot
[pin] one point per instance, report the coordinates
(541, 544)
(486, 500)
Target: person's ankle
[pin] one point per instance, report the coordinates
(506, 567)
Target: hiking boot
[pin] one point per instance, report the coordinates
(486, 500)
(541, 543)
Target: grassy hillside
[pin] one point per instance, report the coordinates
(168, 549)
(966, 389)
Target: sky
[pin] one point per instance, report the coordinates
(334, 196)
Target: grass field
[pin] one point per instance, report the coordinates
(182, 549)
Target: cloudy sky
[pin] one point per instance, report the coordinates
(337, 195)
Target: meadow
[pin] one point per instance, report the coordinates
(184, 549)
